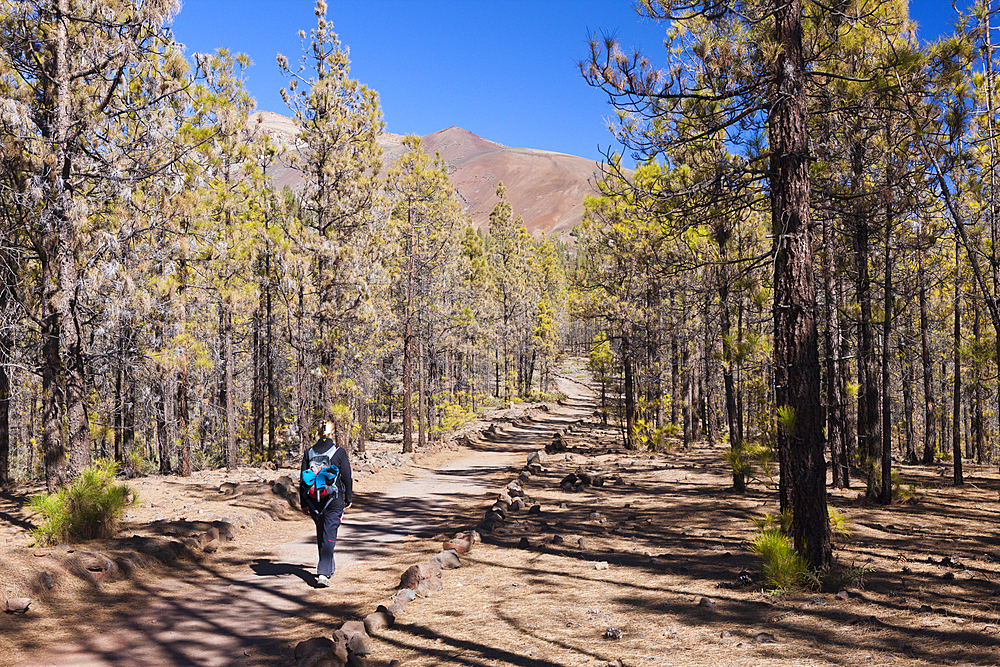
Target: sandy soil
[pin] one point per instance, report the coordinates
(650, 569)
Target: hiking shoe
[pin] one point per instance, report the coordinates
(323, 581)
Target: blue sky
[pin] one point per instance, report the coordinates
(504, 70)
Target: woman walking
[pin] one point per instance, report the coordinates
(325, 491)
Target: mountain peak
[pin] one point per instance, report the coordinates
(544, 188)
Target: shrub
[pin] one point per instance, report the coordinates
(784, 567)
(903, 493)
(839, 523)
(89, 508)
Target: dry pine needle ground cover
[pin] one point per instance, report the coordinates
(650, 569)
(661, 575)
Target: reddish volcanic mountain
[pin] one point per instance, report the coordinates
(545, 188)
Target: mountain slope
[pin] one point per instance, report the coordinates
(545, 188)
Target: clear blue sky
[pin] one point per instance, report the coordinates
(505, 70)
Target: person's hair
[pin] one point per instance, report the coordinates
(326, 430)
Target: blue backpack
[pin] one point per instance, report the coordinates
(321, 479)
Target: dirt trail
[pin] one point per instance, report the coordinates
(225, 610)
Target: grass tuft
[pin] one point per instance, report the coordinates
(89, 508)
(784, 568)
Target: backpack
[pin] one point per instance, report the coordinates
(321, 478)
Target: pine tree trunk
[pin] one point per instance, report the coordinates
(6, 349)
(796, 354)
(885, 495)
(257, 391)
(977, 416)
(930, 420)
(956, 423)
(162, 438)
(629, 382)
(732, 418)
(421, 396)
(272, 388)
(834, 395)
(232, 459)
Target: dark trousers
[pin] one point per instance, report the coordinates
(327, 525)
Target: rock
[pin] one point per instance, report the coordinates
(517, 505)
(405, 595)
(764, 638)
(557, 445)
(725, 634)
(40, 553)
(537, 457)
(601, 565)
(706, 602)
(45, 581)
(211, 546)
(340, 643)
(584, 476)
(535, 510)
(95, 561)
(524, 476)
(843, 595)
(18, 605)
(613, 632)
(584, 544)
(227, 531)
(429, 587)
(417, 573)
(524, 543)
(396, 609)
(304, 648)
(447, 560)
(379, 620)
(228, 488)
(358, 641)
(458, 546)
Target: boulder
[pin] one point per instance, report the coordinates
(98, 563)
(378, 620)
(340, 642)
(557, 445)
(447, 560)
(417, 573)
(358, 641)
(18, 605)
(304, 648)
(403, 596)
(459, 546)
(395, 608)
(537, 457)
(429, 587)
(227, 531)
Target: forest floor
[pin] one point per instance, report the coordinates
(650, 569)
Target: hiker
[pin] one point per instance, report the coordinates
(325, 491)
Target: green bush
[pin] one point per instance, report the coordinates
(784, 567)
(89, 508)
